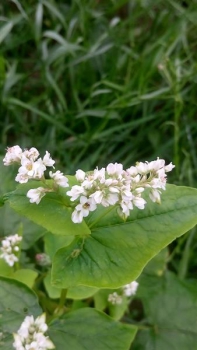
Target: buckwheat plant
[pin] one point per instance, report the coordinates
(100, 228)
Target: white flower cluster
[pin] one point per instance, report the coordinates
(33, 167)
(114, 185)
(107, 187)
(128, 290)
(30, 335)
(9, 248)
(114, 298)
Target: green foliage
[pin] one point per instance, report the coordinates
(116, 251)
(53, 214)
(17, 301)
(84, 328)
(170, 307)
(97, 90)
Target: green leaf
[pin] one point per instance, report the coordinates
(25, 276)
(5, 269)
(90, 329)
(16, 302)
(79, 292)
(157, 265)
(117, 251)
(51, 213)
(54, 242)
(171, 307)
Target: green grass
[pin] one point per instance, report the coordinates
(91, 92)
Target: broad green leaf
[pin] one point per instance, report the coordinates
(16, 302)
(170, 306)
(51, 213)
(90, 329)
(5, 269)
(25, 276)
(117, 251)
(79, 292)
(54, 242)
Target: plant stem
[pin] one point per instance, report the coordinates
(60, 309)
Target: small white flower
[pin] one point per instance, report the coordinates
(82, 210)
(114, 169)
(59, 178)
(125, 206)
(87, 184)
(169, 167)
(155, 196)
(139, 202)
(132, 171)
(80, 175)
(38, 169)
(110, 199)
(99, 175)
(13, 155)
(77, 216)
(155, 165)
(40, 323)
(114, 298)
(32, 153)
(130, 289)
(142, 168)
(30, 170)
(47, 160)
(75, 192)
(97, 196)
(35, 195)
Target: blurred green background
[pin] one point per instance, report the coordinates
(95, 82)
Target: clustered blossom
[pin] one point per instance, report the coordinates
(30, 335)
(130, 289)
(114, 298)
(106, 186)
(127, 290)
(9, 249)
(115, 186)
(33, 167)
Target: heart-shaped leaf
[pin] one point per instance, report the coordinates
(90, 329)
(117, 251)
(52, 212)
